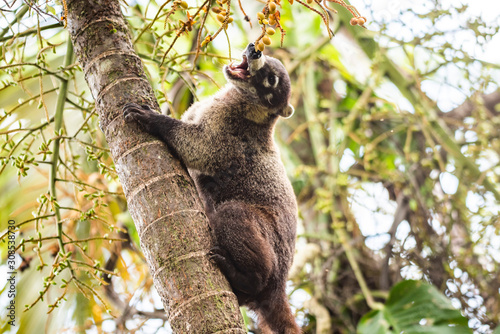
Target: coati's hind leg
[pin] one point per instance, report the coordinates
(243, 252)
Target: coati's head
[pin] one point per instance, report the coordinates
(264, 79)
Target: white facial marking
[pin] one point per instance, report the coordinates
(260, 63)
(256, 64)
(277, 81)
(269, 97)
(266, 83)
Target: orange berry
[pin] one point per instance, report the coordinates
(270, 31)
(266, 40)
(272, 7)
(260, 46)
(354, 21)
(361, 20)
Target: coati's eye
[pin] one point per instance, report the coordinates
(272, 79)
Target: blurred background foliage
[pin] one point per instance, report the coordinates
(393, 153)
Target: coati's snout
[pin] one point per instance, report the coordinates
(251, 52)
(252, 62)
(264, 79)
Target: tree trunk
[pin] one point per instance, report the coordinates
(162, 199)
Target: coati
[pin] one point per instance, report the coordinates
(227, 145)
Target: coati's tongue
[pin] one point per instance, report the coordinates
(240, 70)
(243, 65)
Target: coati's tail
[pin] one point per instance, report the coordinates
(276, 316)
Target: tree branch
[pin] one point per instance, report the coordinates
(490, 101)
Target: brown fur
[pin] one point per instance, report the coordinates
(227, 144)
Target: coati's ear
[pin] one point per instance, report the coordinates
(287, 112)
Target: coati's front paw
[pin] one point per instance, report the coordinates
(135, 112)
(218, 255)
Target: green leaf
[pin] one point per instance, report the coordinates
(374, 323)
(414, 307)
(51, 9)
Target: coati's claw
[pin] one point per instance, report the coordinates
(216, 251)
(218, 255)
(146, 107)
(217, 258)
(130, 105)
(128, 111)
(132, 111)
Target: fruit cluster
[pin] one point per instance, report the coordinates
(223, 13)
(267, 18)
(223, 16)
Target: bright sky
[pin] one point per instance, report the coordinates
(488, 10)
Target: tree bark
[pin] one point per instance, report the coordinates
(162, 199)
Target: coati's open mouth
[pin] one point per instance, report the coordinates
(240, 71)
